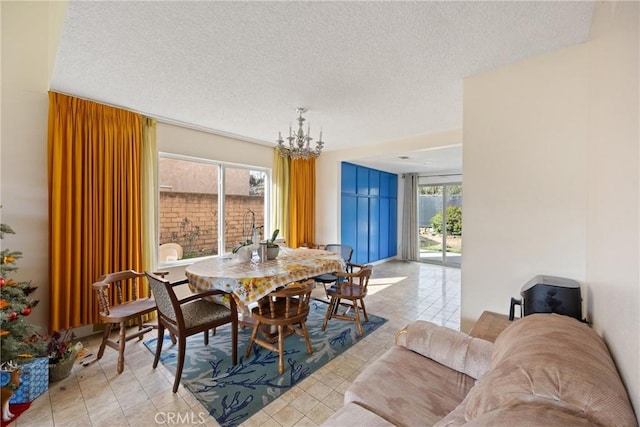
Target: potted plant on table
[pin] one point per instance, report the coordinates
(272, 247)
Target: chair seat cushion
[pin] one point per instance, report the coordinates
(326, 278)
(200, 312)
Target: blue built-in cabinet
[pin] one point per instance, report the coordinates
(369, 212)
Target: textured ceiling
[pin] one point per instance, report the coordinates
(367, 72)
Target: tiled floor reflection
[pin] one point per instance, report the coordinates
(141, 396)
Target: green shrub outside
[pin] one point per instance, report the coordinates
(454, 221)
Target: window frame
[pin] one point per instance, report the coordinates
(222, 166)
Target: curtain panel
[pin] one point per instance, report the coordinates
(280, 194)
(149, 187)
(95, 209)
(410, 250)
(302, 185)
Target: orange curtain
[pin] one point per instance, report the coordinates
(302, 199)
(94, 159)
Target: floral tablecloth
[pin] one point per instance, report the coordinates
(250, 281)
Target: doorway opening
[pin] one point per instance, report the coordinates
(440, 223)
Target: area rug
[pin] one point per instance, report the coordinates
(234, 393)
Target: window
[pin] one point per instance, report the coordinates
(206, 207)
(244, 204)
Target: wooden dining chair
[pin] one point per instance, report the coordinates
(284, 308)
(189, 316)
(349, 292)
(122, 287)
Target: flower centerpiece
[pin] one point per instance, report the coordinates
(62, 354)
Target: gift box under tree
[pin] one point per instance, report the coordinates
(34, 380)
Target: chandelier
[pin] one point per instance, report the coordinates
(300, 144)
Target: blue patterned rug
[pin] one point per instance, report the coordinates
(234, 393)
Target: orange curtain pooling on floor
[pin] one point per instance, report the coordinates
(302, 184)
(94, 174)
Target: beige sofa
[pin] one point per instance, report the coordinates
(542, 370)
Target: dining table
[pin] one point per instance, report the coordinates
(249, 281)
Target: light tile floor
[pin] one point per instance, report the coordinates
(141, 396)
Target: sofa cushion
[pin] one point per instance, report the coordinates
(454, 349)
(531, 414)
(454, 418)
(354, 415)
(408, 389)
(557, 360)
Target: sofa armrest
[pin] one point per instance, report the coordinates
(453, 349)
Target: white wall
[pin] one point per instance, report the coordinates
(613, 253)
(328, 177)
(524, 167)
(30, 34)
(190, 142)
(550, 165)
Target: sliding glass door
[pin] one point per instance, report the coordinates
(440, 223)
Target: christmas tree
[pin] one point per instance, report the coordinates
(19, 340)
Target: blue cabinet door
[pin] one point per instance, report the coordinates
(362, 218)
(374, 229)
(384, 227)
(385, 179)
(348, 221)
(348, 178)
(393, 186)
(362, 181)
(393, 224)
(374, 183)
